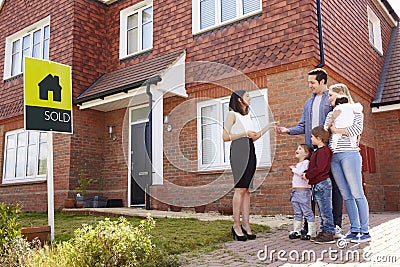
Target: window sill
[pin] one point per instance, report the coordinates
(15, 77)
(228, 170)
(379, 52)
(8, 184)
(136, 55)
(228, 23)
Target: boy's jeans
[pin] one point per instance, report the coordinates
(322, 193)
(346, 168)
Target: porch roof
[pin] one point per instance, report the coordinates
(128, 78)
(388, 92)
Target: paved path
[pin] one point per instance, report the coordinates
(276, 249)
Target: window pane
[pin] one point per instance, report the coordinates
(228, 10)
(147, 35)
(42, 164)
(15, 47)
(26, 42)
(209, 114)
(209, 143)
(32, 137)
(132, 21)
(10, 163)
(250, 6)
(147, 15)
(132, 41)
(21, 139)
(371, 32)
(36, 44)
(207, 13)
(46, 49)
(15, 61)
(31, 164)
(43, 137)
(20, 162)
(139, 114)
(25, 49)
(11, 141)
(46, 32)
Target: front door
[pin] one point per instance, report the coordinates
(140, 163)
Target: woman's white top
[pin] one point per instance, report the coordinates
(242, 124)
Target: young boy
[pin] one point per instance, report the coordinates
(318, 177)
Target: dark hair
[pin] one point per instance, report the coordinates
(320, 132)
(341, 100)
(234, 103)
(309, 150)
(320, 75)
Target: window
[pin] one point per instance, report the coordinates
(25, 156)
(136, 29)
(374, 29)
(32, 41)
(208, 14)
(213, 153)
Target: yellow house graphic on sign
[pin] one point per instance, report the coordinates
(48, 96)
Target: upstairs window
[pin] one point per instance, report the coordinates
(25, 156)
(208, 14)
(213, 152)
(374, 29)
(33, 41)
(136, 29)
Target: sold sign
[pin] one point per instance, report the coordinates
(48, 96)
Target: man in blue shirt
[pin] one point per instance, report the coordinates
(314, 113)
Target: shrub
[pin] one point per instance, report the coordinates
(9, 226)
(14, 249)
(109, 243)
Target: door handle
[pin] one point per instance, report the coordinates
(143, 173)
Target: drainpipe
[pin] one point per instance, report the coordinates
(320, 38)
(153, 80)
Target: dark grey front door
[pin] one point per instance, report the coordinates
(140, 163)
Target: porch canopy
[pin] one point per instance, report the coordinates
(114, 90)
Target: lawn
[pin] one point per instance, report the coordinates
(174, 236)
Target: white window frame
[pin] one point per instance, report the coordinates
(374, 30)
(196, 23)
(124, 14)
(28, 31)
(25, 178)
(218, 162)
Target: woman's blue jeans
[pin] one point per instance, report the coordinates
(346, 169)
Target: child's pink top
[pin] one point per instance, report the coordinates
(298, 170)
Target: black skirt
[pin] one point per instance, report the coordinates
(243, 162)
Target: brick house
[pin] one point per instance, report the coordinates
(180, 60)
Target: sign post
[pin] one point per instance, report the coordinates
(48, 107)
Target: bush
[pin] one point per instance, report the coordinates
(14, 249)
(9, 226)
(109, 243)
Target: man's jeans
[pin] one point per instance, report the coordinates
(322, 193)
(346, 168)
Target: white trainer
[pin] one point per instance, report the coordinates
(337, 232)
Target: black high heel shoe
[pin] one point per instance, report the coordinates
(249, 236)
(238, 237)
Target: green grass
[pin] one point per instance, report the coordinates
(174, 236)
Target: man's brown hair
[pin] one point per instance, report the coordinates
(320, 132)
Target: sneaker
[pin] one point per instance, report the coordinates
(337, 232)
(318, 235)
(350, 236)
(324, 238)
(361, 238)
(294, 235)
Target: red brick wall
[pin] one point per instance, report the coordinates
(283, 33)
(346, 42)
(388, 158)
